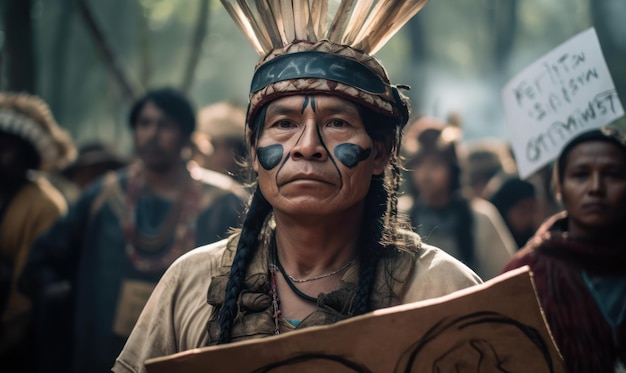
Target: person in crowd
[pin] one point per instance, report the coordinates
(469, 229)
(321, 241)
(218, 147)
(577, 256)
(516, 200)
(486, 164)
(30, 140)
(120, 236)
(548, 203)
(219, 141)
(94, 160)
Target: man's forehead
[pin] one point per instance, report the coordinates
(325, 103)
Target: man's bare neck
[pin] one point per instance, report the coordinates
(167, 183)
(312, 247)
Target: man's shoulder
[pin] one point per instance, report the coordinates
(109, 180)
(483, 209)
(42, 193)
(436, 256)
(431, 259)
(33, 209)
(434, 261)
(194, 269)
(438, 273)
(203, 258)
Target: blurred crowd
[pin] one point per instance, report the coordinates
(85, 234)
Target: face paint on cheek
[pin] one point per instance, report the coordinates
(351, 154)
(270, 156)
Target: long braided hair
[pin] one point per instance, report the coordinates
(380, 228)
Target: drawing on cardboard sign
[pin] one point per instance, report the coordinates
(494, 327)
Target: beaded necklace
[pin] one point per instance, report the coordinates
(275, 300)
(275, 266)
(293, 287)
(179, 227)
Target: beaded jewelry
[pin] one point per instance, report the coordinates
(179, 226)
(344, 267)
(276, 266)
(275, 300)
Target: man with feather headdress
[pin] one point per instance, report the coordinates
(31, 142)
(322, 240)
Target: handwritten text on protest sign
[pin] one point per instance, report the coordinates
(566, 92)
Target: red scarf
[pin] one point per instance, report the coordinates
(586, 340)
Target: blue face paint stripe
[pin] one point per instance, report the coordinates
(332, 160)
(321, 139)
(300, 137)
(280, 168)
(305, 103)
(289, 152)
(313, 103)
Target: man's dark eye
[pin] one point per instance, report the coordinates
(143, 122)
(579, 174)
(616, 174)
(167, 124)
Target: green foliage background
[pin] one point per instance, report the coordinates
(456, 68)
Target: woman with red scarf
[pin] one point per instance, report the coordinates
(578, 256)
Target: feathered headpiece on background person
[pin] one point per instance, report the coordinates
(28, 117)
(314, 46)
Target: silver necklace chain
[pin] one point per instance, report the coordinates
(324, 275)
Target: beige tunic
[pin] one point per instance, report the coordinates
(176, 316)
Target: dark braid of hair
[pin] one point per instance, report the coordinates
(371, 246)
(381, 212)
(253, 224)
(392, 186)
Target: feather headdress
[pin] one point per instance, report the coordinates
(313, 46)
(29, 118)
(364, 25)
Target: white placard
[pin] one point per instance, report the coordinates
(564, 93)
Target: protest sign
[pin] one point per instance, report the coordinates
(494, 327)
(564, 93)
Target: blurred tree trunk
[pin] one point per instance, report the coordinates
(60, 57)
(417, 42)
(502, 18)
(418, 54)
(19, 46)
(130, 88)
(145, 49)
(608, 19)
(195, 51)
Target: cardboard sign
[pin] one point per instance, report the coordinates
(566, 92)
(494, 327)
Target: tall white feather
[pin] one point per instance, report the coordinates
(365, 25)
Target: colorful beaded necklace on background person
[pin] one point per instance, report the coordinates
(178, 228)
